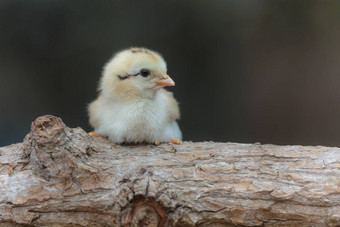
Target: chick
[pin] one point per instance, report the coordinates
(133, 106)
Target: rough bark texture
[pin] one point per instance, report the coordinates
(63, 177)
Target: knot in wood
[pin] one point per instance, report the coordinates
(45, 128)
(146, 212)
(49, 156)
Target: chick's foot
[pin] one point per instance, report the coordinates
(94, 134)
(175, 141)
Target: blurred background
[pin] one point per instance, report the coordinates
(245, 71)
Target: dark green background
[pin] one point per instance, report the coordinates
(245, 71)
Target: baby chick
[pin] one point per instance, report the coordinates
(133, 106)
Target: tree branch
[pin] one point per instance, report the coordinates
(63, 177)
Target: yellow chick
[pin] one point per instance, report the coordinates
(133, 106)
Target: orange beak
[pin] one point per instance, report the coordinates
(165, 81)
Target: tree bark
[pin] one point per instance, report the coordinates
(64, 177)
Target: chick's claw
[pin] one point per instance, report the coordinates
(175, 141)
(93, 134)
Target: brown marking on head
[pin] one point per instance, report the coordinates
(139, 50)
(154, 56)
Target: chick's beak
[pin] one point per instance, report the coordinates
(165, 81)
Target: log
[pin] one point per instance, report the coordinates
(61, 176)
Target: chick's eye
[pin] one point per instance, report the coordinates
(144, 72)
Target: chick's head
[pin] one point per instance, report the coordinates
(134, 72)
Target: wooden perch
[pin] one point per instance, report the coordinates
(64, 177)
